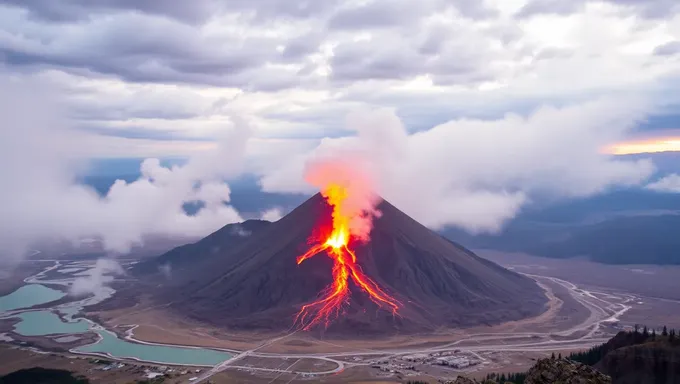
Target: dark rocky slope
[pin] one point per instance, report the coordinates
(257, 284)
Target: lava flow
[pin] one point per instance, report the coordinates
(336, 247)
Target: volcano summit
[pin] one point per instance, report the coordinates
(260, 282)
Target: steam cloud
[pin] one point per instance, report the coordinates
(273, 214)
(475, 174)
(97, 279)
(345, 170)
(41, 200)
(478, 174)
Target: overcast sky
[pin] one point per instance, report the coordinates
(489, 103)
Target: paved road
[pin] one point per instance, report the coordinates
(604, 307)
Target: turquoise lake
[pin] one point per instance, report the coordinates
(116, 347)
(45, 322)
(41, 323)
(28, 296)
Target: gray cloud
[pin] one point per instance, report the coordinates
(194, 11)
(447, 60)
(40, 199)
(73, 10)
(376, 14)
(141, 48)
(393, 13)
(646, 8)
(668, 49)
(474, 9)
(136, 132)
(481, 173)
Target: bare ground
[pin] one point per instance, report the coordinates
(155, 324)
(11, 278)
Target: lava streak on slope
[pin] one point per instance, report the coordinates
(337, 295)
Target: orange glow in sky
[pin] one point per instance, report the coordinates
(655, 145)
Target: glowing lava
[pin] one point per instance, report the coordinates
(335, 296)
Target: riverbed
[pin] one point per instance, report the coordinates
(64, 321)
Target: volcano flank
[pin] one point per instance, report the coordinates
(257, 284)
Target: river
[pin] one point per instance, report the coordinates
(65, 320)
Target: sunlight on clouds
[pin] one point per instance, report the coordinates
(668, 144)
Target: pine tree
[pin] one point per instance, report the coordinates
(665, 331)
(645, 332)
(671, 336)
(560, 356)
(653, 334)
(553, 356)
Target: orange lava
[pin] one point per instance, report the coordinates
(337, 295)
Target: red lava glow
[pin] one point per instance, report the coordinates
(337, 295)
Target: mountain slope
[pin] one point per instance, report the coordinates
(257, 284)
(231, 235)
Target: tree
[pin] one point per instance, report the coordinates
(671, 336)
(653, 334)
(559, 356)
(553, 356)
(637, 328)
(645, 332)
(665, 331)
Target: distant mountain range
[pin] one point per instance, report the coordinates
(624, 227)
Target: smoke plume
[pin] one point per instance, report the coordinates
(97, 278)
(348, 173)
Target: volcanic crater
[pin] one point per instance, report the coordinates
(254, 282)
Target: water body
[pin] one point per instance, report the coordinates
(41, 323)
(70, 270)
(47, 322)
(28, 296)
(110, 344)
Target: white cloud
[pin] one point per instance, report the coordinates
(40, 198)
(145, 93)
(478, 174)
(97, 278)
(670, 183)
(273, 214)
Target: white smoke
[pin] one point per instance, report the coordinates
(359, 200)
(669, 183)
(40, 198)
(273, 214)
(97, 278)
(238, 230)
(477, 174)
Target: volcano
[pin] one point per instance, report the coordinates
(258, 285)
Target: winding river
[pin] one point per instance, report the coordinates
(66, 322)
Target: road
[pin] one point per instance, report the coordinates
(604, 308)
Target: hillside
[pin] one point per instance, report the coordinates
(637, 357)
(641, 239)
(257, 284)
(213, 245)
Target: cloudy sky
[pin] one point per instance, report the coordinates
(464, 110)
